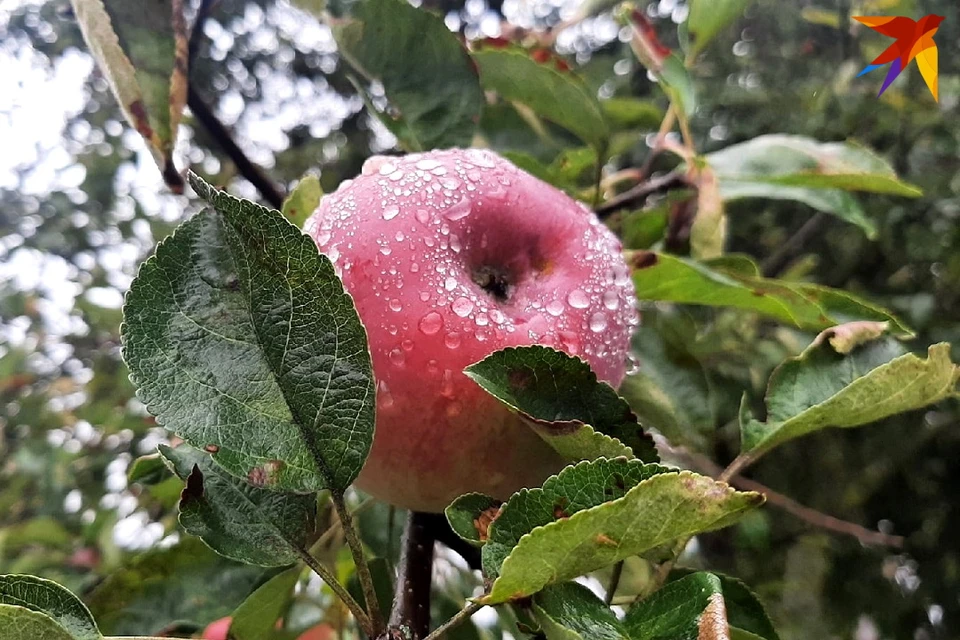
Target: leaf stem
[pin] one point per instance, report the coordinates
(363, 620)
(363, 569)
(614, 582)
(461, 615)
(739, 463)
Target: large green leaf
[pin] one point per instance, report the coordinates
(242, 341)
(559, 96)
(186, 583)
(668, 278)
(21, 623)
(50, 599)
(141, 49)
(695, 607)
(594, 514)
(256, 618)
(708, 17)
(238, 520)
(425, 71)
(824, 388)
(806, 170)
(561, 399)
(570, 611)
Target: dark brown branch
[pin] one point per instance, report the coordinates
(637, 195)
(778, 261)
(411, 600)
(224, 138)
(441, 532)
(813, 517)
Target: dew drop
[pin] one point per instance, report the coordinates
(397, 358)
(482, 320)
(481, 158)
(450, 183)
(424, 296)
(399, 237)
(427, 164)
(423, 216)
(611, 300)
(578, 299)
(497, 316)
(446, 385)
(391, 212)
(450, 283)
(384, 398)
(452, 340)
(432, 366)
(462, 307)
(407, 345)
(387, 168)
(431, 323)
(414, 267)
(395, 305)
(333, 253)
(396, 175)
(598, 322)
(459, 211)
(323, 238)
(555, 308)
(570, 342)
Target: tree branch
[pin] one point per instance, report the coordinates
(778, 260)
(411, 600)
(812, 517)
(206, 117)
(637, 195)
(441, 532)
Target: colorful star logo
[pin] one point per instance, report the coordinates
(914, 40)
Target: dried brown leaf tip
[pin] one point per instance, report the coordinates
(483, 521)
(713, 621)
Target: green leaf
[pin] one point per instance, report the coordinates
(20, 623)
(570, 611)
(567, 171)
(694, 605)
(815, 173)
(632, 113)
(709, 229)
(148, 470)
(708, 17)
(822, 388)
(426, 73)
(141, 50)
(594, 514)
(560, 97)
(471, 513)
(560, 398)
(238, 320)
(668, 278)
(676, 82)
(256, 617)
(50, 599)
(240, 521)
(670, 391)
(186, 583)
(303, 200)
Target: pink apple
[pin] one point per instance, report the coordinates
(450, 256)
(322, 631)
(218, 629)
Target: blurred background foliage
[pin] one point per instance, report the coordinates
(83, 204)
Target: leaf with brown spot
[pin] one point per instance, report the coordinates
(560, 398)
(142, 51)
(303, 200)
(238, 520)
(471, 515)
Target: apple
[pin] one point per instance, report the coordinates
(322, 631)
(218, 629)
(450, 256)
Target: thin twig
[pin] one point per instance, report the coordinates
(461, 615)
(635, 196)
(411, 604)
(363, 569)
(614, 582)
(363, 620)
(810, 516)
(779, 259)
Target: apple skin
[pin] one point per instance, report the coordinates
(322, 631)
(218, 629)
(450, 256)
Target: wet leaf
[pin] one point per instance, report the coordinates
(148, 470)
(558, 96)
(20, 623)
(238, 320)
(240, 521)
(256, 617)
(594, 514)
(570, 611)
(822, 388)
(52, 600)
(426, 73)
(708, 17)
(141, 49)
(470, 516)
(303, 200)
(668, 278)
(560, 398)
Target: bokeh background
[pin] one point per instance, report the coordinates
(82, 204)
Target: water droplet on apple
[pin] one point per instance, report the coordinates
(446, 384)
(578, 299)
(570, 342)
(452, 340)
(482, 320)
(427, 164)
(598, 322)
(333, 253)
(384, 398)
(481, 158)
(407, 345)
(497, 316)
(414, 267)
(397, 358)
(462, 307)
(555, 308)
(396, 175)
(423, 216)
(450, 283)
(387, 168)
(399, 237)
(431, 323)
(611, 300)
(391, 212)
(459, 211)
(450, 183)
(424, 296)
(432, 366)
(395, 305)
